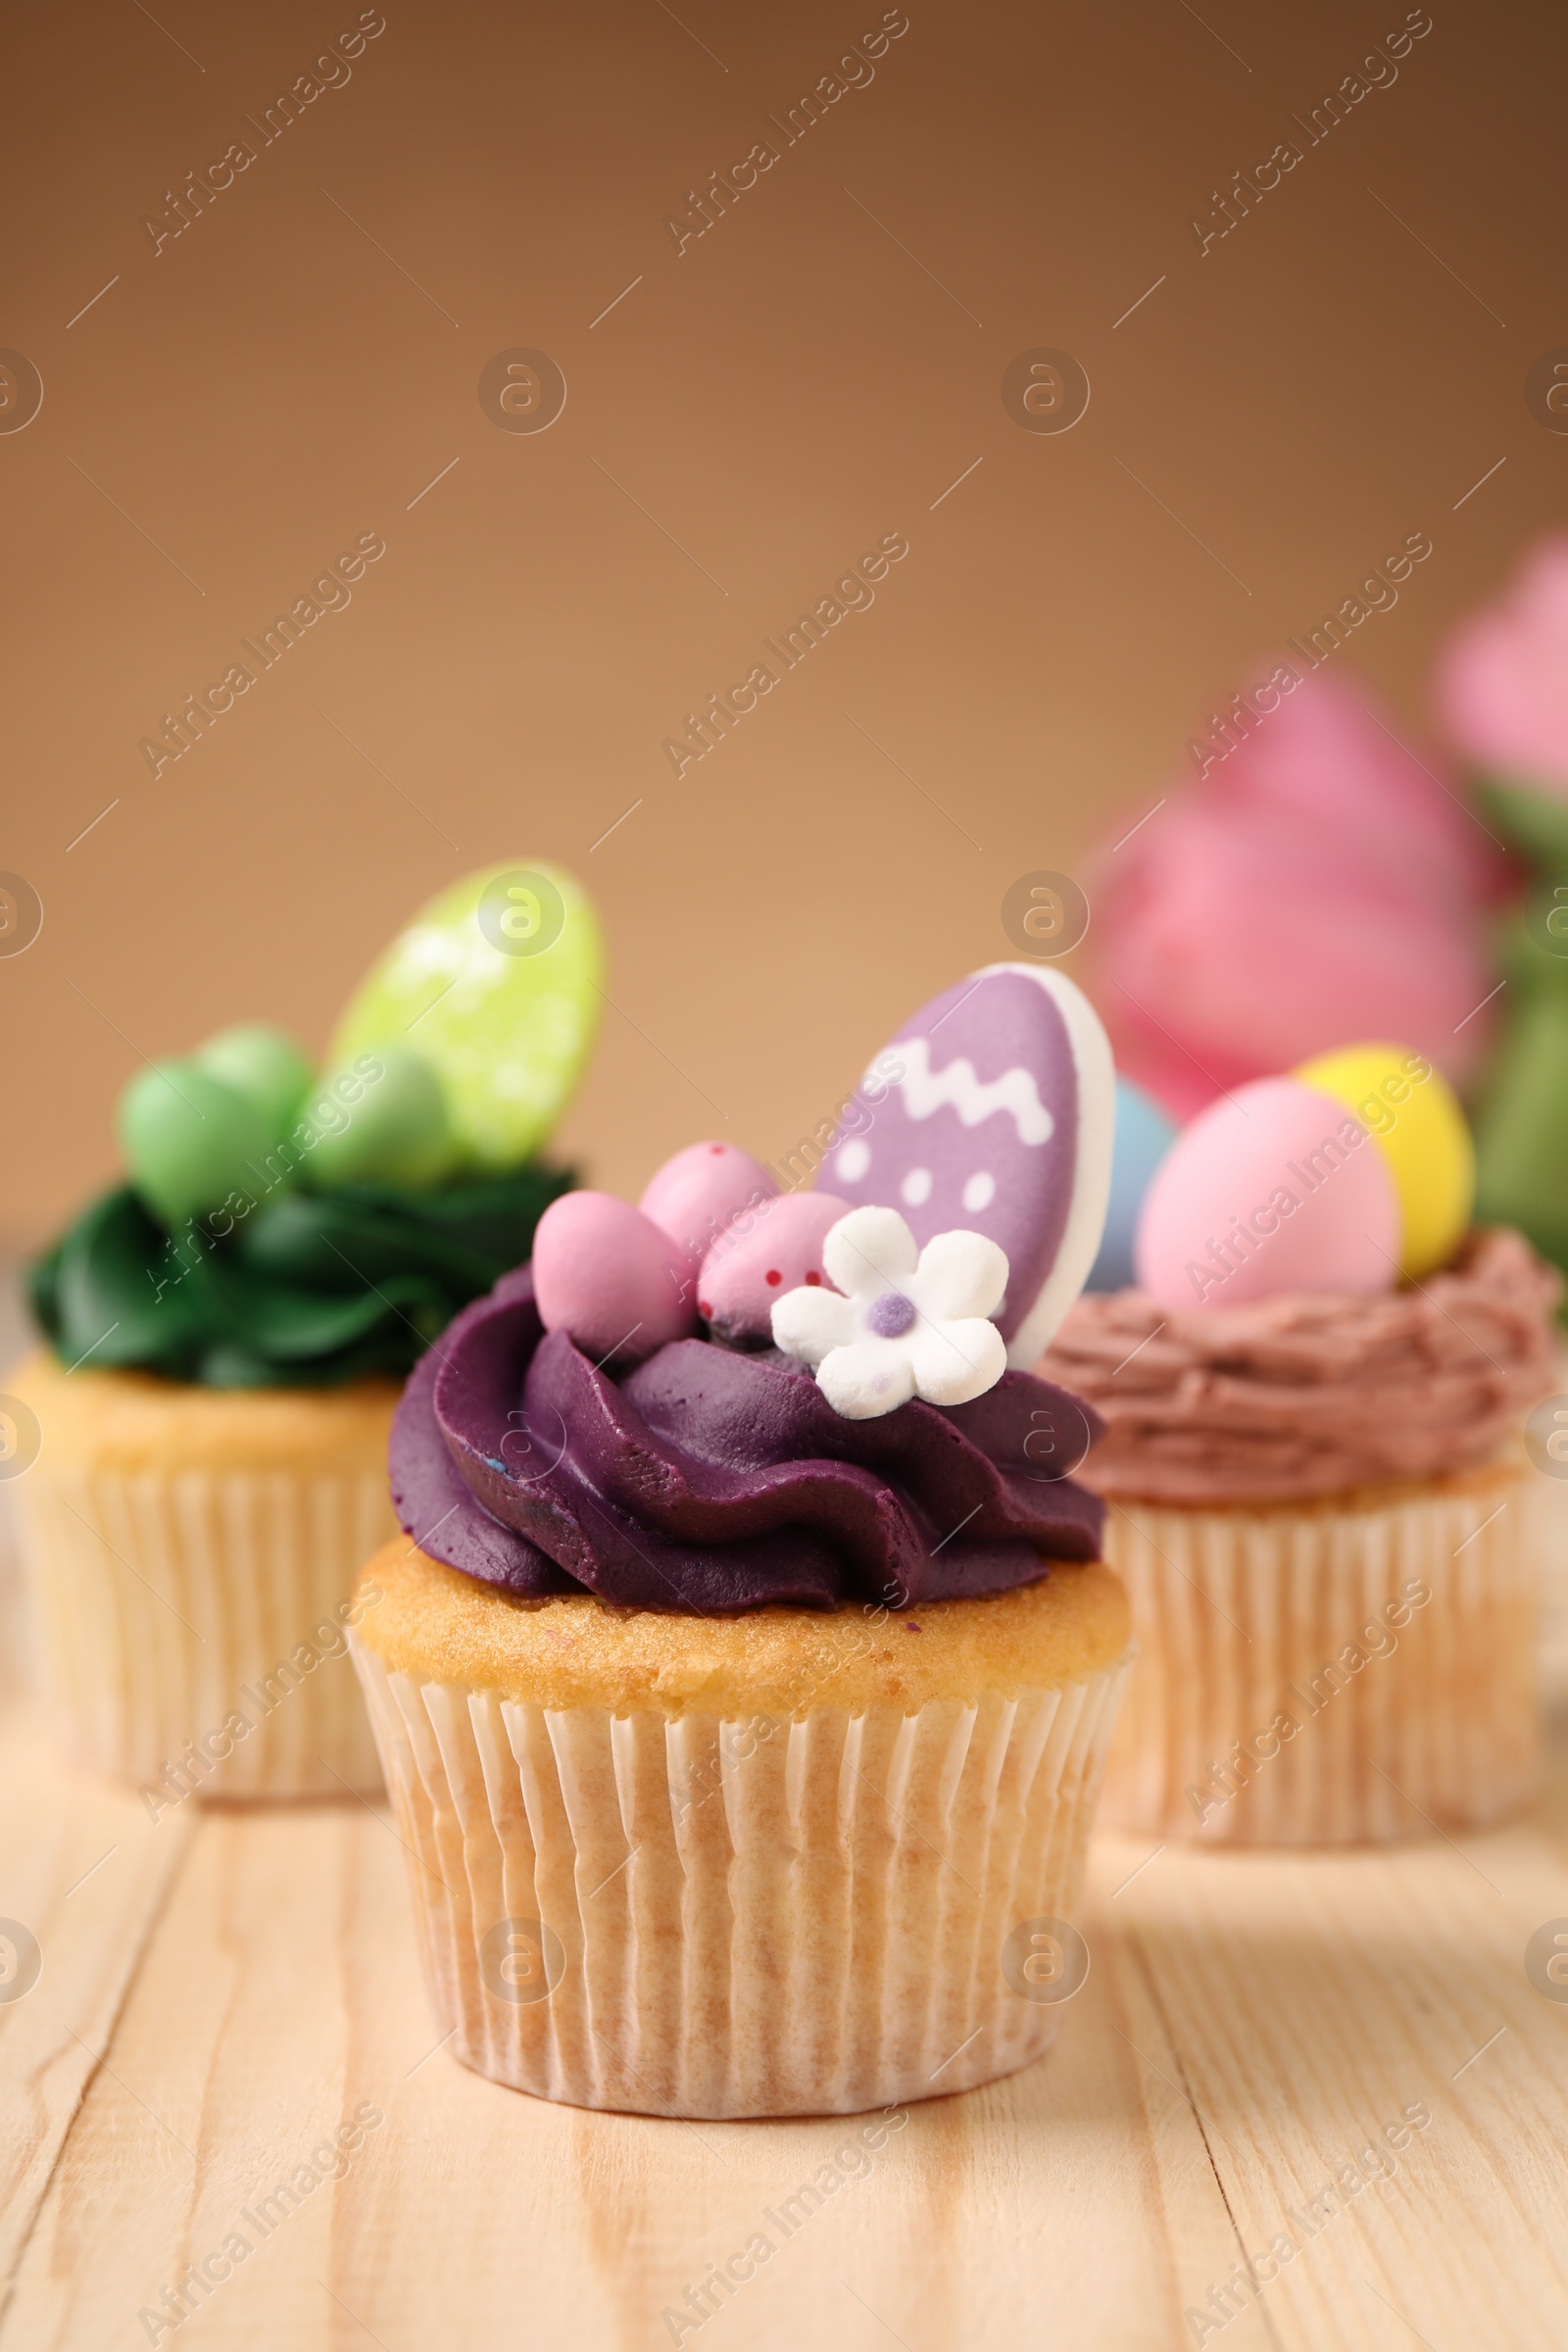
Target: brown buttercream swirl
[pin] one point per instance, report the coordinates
(1313, 1392)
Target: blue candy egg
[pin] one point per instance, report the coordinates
(1143, 1136)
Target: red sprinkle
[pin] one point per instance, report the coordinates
(910, 1626)
(717, 1150)
(773, 1276)
(813, 1277)
(705, 1310)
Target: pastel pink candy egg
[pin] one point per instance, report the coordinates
(743, 1275)
(1272, 1188)
(698, 1195)
(608, 1275)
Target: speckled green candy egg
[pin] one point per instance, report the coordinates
(496, 984)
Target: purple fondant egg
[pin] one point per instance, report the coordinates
(703, 1192)
(1273, 1188)
(993, 1111)
(782, 1250)
(610, 1278)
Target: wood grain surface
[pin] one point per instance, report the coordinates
(1248, 2066)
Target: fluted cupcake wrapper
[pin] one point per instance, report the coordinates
(686, 1916)
(174, 1603)
(1343, 1673)
(1547, 1522)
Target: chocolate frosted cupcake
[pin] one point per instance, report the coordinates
(1318, 1502)
(227, 1333)
(747, 1724)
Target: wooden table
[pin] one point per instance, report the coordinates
(221, 1989)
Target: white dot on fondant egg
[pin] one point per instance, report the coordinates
(916, 1187)
(854, 1157)
(979, 1191)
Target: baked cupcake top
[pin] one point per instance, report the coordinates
(1311, 1393)
(735, 1395)
(288, 1228)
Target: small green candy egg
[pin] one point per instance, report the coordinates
(380, 1119)
(261, 1062)
(189, 1140)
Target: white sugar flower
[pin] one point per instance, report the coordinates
(899, 1325)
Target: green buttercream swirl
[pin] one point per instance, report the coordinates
(310, 1290)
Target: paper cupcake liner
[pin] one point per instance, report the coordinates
(694, 1917)
(1547, 1522)
(1294, 1687)
(1546, 1519)
(174, 1604)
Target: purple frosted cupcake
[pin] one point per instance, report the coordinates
(746, 1689)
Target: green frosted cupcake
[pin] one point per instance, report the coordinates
(228, 1328)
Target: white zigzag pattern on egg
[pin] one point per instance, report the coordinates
(926, 1090)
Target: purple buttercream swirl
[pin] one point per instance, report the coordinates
(708, 1482)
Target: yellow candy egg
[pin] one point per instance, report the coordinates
(1413, 1115)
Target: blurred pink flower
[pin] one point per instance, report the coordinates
(1501, 680)
(1320, 885)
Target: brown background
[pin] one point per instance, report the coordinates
(796, 385)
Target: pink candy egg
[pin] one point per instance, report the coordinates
(697, 1196)
(743, 1274)
(1274, 1187)
(608, 1275)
